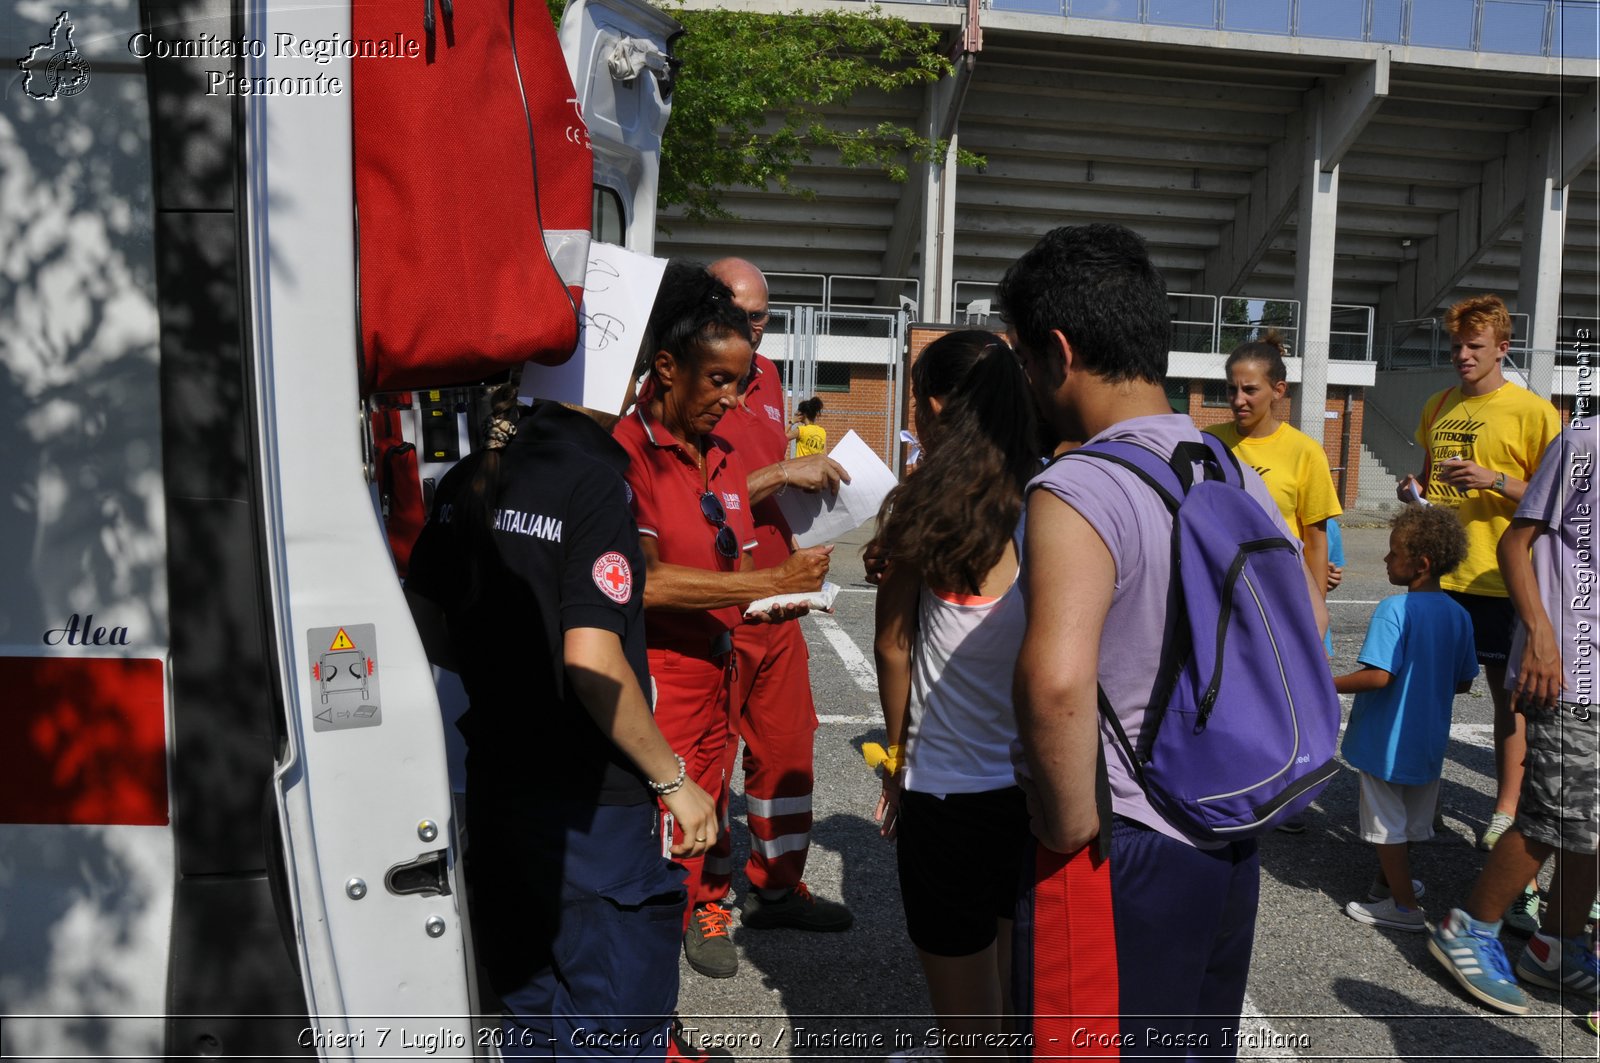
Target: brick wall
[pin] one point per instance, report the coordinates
(864, 408)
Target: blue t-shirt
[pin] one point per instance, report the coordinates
(1423, 640)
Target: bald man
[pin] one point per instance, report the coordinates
(772, 706)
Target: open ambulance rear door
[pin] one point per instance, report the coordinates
(225, 823)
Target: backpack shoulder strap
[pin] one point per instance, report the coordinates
(1157, 473)
(1226, 460)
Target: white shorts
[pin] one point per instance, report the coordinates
(1391, 813)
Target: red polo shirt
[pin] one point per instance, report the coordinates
(757, 433)
(666, 488)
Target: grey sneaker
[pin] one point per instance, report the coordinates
(1387, 914)
(706, 944)
(797, 909)
(1380, 891)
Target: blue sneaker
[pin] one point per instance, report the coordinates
(1559, 964)
(1477, 960)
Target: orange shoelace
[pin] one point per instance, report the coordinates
(714, 920)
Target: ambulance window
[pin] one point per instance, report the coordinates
(609, 222)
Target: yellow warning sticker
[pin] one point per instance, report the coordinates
(342, 641)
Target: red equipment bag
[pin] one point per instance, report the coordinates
(474, 191)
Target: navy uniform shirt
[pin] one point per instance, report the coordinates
(565, 554)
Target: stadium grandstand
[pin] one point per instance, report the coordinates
(1342, 170)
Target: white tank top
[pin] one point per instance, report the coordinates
(962, 725)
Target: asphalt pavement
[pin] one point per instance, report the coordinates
(1321, 986)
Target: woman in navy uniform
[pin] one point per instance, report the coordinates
(529, 582)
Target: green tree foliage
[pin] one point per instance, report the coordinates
(759, 92)
(755, 90)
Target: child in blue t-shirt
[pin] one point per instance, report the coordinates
(1418, 655)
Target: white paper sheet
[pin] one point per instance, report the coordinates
(822, 517)
(618, 291)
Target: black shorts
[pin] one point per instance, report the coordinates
(1492, 622)
(960, 858)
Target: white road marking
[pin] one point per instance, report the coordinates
(854, 661)
(831, 718)
(1473, 734)
(1259, 1040)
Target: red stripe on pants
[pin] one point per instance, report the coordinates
(692, 713)
(1075, 999)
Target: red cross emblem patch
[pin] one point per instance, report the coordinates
(613, 577)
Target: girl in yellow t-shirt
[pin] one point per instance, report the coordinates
(809, 437)
(1291, 463)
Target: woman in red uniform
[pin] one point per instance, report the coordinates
(692, 507)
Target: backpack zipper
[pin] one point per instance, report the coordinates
(1209, 700)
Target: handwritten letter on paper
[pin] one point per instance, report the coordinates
(618, 290)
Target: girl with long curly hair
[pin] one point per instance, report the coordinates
(949, 623)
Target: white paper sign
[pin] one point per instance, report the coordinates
(618, 291)
(822, 517)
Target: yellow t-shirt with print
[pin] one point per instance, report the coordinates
(1294, 468)
(810, 439)
(1505, 431)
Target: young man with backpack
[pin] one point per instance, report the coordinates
(1143, 896)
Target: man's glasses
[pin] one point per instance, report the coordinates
(711, 509)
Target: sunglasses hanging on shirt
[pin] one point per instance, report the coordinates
(711, 509)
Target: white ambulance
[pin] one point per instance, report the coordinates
(226, 821)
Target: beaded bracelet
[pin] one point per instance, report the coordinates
(662, 789)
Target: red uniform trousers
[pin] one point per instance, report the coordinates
(773, 711)
(692, 712)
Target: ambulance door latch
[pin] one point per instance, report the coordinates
(428, 876)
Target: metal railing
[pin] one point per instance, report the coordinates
(1242, 318)
(1194, 322)
(1564, 28)
(1201, 323)
(1424, 343)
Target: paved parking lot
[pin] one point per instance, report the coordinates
(1321, 986)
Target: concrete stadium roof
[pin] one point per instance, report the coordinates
(1194, 138)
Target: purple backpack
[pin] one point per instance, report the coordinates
(1245, 720)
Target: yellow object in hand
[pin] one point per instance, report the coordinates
(879, 758)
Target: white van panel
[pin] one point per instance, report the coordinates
(625, 117)
(354, 801)
(85, 907)
(88, 913)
